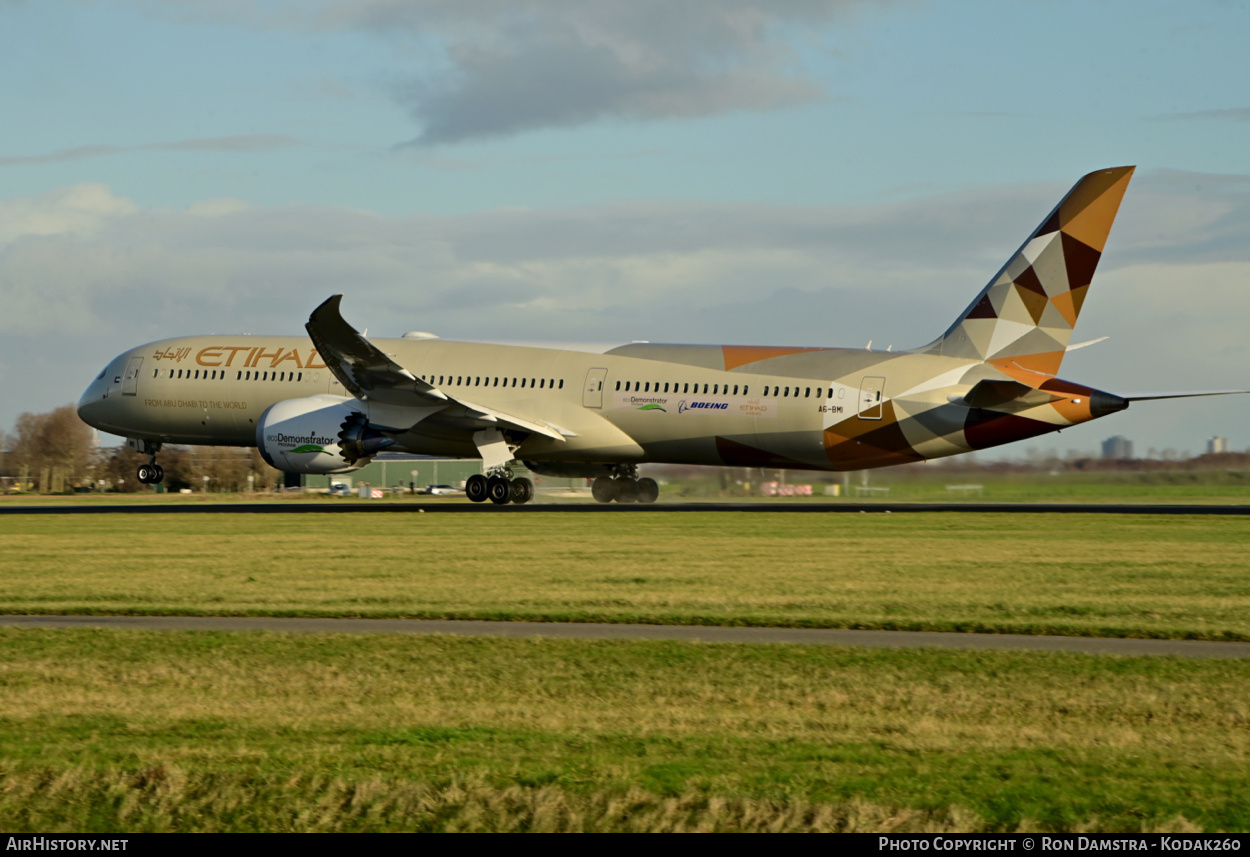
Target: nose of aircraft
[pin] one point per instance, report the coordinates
(92, 404)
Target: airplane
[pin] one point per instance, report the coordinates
(329, 402)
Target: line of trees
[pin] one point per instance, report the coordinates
(56, 452)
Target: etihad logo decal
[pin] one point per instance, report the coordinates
(248, 357)
(702, 406)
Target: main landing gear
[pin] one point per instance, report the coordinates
(625, 487)
(499, 488)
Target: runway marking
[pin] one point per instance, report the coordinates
(490, 509)
(689, 633)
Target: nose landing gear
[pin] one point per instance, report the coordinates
(150, 473)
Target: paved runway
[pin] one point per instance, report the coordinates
(332, 507)
(699, 633)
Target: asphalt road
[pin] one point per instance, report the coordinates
(381, 506)
(699, 633)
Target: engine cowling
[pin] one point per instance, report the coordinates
(318, 435)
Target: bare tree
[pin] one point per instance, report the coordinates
(55, 449)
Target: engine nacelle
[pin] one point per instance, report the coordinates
(318, 435)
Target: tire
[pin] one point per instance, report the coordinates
(626, 491)
(499, 490)
(145, 474)
(603, 489)
(648, 490)
(522, 490)
(476, 488)
(159, 477)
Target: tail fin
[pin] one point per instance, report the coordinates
(1024, 318)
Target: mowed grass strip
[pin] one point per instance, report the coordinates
(127, 730)
(1092, 575)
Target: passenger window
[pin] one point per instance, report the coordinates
(542, 383)
(561, 387)
(647, 388)
(300, 377)
(735, 389)
(705, 389)
(626, 386)
(807, 392)
(239, 376)
(787, 392)
(744, 390)
(618, 386)
(531, 383)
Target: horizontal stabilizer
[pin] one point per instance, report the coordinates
(1087, 343)
(1004, 395)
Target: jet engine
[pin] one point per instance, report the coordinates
(319, 435)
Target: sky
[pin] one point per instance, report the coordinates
(815, 173)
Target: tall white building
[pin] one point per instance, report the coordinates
(1218, 443)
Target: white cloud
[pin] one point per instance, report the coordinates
(80, 210)
(501, 67)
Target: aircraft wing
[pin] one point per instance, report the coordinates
(368, 373)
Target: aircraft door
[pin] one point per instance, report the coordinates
(130, 380)
(871, 396)
(592, 392)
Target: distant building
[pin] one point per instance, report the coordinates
(1117, 447)
(1217, 444)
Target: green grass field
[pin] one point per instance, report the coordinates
(132, 731)
(135, 731)
(1091, 575)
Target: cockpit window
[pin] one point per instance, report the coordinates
(102, 373)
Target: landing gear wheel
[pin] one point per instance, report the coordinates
(146, 474)
(626, 491)
(160, 474)
(603, 489)
(499, 490)
(522, 490)
(476, 488)
(648, 490)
